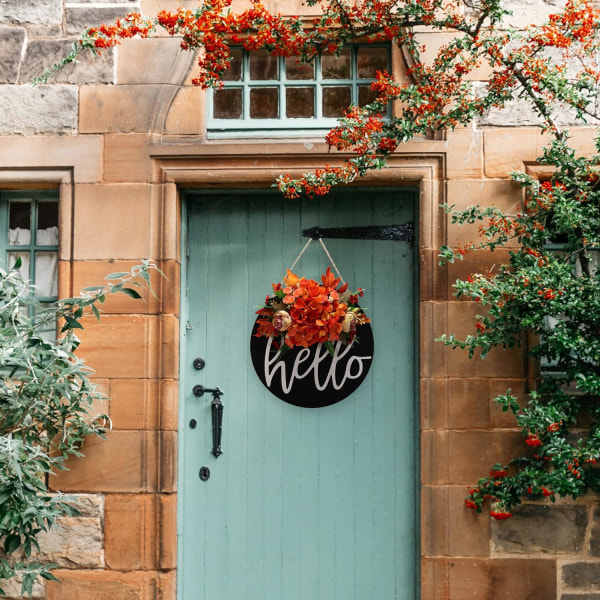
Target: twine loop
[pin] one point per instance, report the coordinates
(326, 252)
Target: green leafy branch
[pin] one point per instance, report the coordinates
(46, 408)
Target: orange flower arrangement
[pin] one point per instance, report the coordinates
(303, 312)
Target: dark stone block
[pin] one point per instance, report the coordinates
(44, 32)
(11, 43)
(582, 575)
(28, 110)
(555, 529)
(580, 597)
(31, 11)
(42, 54)
(501, 579)
(79, 19)
(594, 547)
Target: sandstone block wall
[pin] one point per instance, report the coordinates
(117, 135)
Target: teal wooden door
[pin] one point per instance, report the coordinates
(303, 504)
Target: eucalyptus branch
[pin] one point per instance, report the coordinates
(49, 395)
(24, 413)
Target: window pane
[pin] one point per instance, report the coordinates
(19, 223)
(300, 102)
(595, 261)
(335, 100)
(296, 70)
(47, 225)
(47, 331)
(24, 269)
(46, 274)
(234, 73)
(336, 67)
(227, 103)
(594, 258)
(365, 95)
(260, 86)
(264, 103)
(263, 66)
(369, 61)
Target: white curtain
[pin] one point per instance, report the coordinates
(46, 263)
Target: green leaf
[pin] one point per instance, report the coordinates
(27, 585)
(283, 348)
(48, 576)
(330, 348)
(131, 292)
(96, 311)
(71, 323)
(69, 301)
(117, 275)
(11, 543)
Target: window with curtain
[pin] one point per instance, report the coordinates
(29, 230)
(280, 95)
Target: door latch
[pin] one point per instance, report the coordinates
(216, 409)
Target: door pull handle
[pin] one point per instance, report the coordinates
(216, 410)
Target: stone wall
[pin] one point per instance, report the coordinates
(117, 134)
(75, 542)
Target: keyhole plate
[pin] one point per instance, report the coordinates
(204, 473)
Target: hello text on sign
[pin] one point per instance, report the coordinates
(312, 377)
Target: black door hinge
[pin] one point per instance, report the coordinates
(400, 233)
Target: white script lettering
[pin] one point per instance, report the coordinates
(272, 365)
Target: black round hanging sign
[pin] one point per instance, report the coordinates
(312, 377)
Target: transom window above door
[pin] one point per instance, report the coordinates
(282, 96)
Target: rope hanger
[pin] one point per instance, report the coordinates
(326, 252)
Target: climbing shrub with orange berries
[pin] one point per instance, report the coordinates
(547, 297)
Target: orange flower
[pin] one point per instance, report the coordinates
(316, 312)
(291, 280)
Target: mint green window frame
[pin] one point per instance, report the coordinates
(549, 368)
(282, 125)
(34, 198)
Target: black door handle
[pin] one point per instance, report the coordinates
(216, 409)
